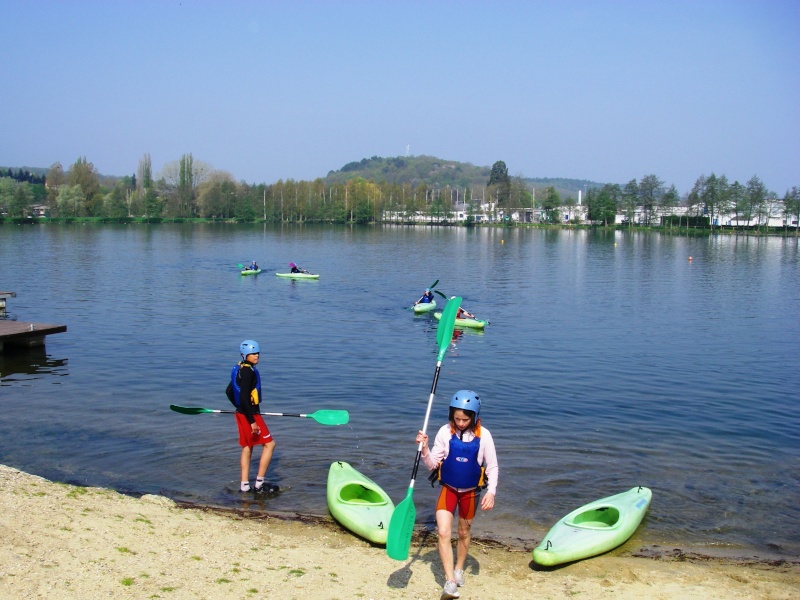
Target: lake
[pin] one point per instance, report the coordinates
(611, 360)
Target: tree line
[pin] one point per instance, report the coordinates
(189, 188)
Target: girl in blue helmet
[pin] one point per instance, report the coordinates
(245, 393)
(465, 456)
(427, 297)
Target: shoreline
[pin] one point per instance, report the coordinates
(65, 541)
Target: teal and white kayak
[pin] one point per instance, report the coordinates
(358, 503)
(472, 323)
(424, 307)
(594, 528)
(251, 271)
(298, 275)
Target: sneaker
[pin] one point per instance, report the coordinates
(459, 573)
(268, 488)
(450, 591)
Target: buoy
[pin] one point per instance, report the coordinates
(690, 259)
(615, 244)
(502, 241)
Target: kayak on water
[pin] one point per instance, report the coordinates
(424, 307)
(358, 503)
(251, 271)
(593, 528)
(298, 275)
(473, 323)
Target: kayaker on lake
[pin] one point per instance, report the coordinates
(296, 269)
(464, 454)
(253, 266)
(426, 298)
(245, 393)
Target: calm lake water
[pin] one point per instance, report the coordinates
(611, 360)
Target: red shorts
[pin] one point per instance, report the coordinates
(246, 436)
(466, 502)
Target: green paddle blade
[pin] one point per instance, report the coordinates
(191, 410)
(444, 332)
(401, 527)
(433, 285)
(330, 417)
(240, 265)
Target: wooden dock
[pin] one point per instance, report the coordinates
(25, 335)
(3, 297)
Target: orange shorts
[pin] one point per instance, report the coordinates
(246, 436)
(466, 502)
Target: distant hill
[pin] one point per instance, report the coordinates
(437, 172)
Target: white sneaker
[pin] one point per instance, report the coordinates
(459, 573)
(450, 591)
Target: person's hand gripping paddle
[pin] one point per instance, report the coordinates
(401, 525)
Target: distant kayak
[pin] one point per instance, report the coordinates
(358, 503)
(473, 323)
(298, 275)
(424, 307)
(251, 271)
(594, 528)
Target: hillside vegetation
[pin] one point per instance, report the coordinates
(439, 173)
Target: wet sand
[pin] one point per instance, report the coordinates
(63, 541)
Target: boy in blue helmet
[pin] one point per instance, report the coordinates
(466, 458)
(246, 397)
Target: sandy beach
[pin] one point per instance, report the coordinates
(64, 541)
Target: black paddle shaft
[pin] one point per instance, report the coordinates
(433, 391)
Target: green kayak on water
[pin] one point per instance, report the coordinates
(472, 323)
(298, 275)
(251, 271)
(594, 528)
(424, 307)
(358, 503)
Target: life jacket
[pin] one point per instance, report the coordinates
(234, 390)
(461, 469)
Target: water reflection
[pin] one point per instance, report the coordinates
(21, 364)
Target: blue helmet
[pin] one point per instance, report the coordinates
(466, 400)
(249, 347)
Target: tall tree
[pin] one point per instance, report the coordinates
(501, 182)
(791, 208)
(650, 189)
(629, 200)
(755, 199)
(83, 173)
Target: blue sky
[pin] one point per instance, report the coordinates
(602, 90)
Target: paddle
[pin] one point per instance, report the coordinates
(240, 265)
(401, 525)
(324, 417)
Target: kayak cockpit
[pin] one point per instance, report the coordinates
(355, 493)
(599, 517)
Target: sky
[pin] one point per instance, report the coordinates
(601, 90)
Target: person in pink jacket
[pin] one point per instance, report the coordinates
(464, 454)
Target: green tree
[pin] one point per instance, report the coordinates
(791, 208)
(70, 200)
(755, 199)
(628, 201)
(114, 203)
(82, 173)
(550, 204)
(603, 204)
(500, 182)
(55, 179)
(650, 191)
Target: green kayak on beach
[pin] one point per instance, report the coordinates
(424, 307)
(298, 275)
(358, 503)
(471, 323)
(594, 528)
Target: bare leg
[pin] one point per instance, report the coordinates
(266, 456)
(444, 525)
(244, 462)
(464, 537)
